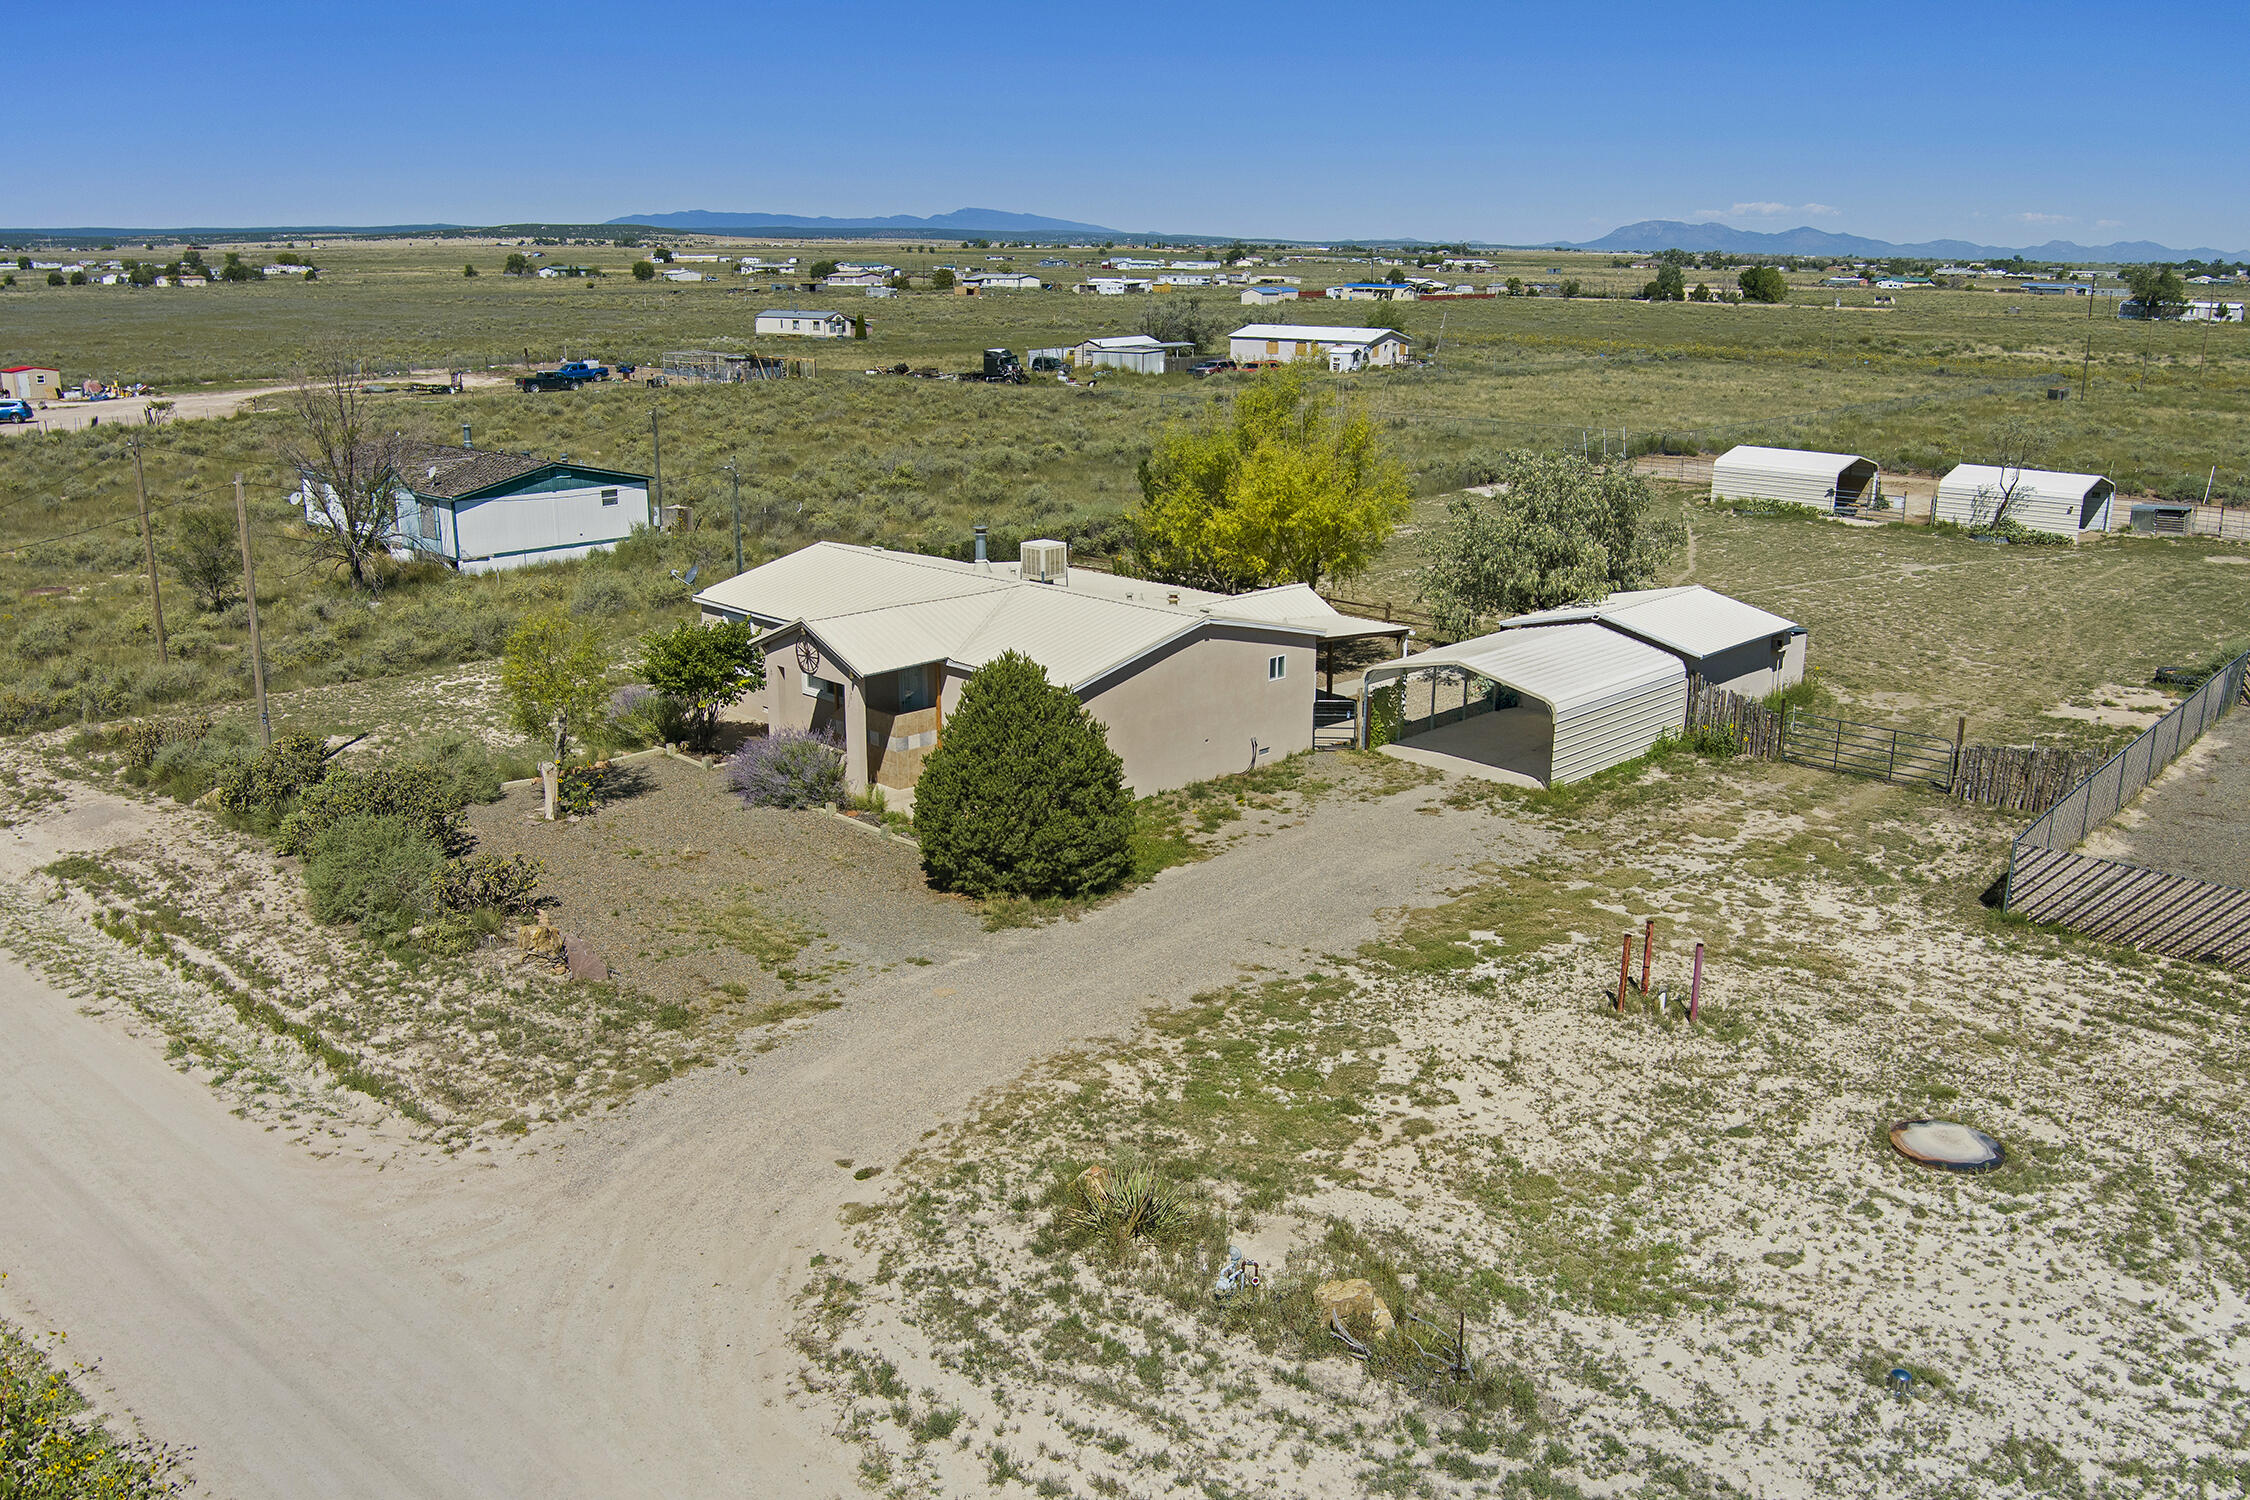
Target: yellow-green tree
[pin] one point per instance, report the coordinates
(1291, 488)
(555, 677)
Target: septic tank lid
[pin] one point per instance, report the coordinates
(1947, 1144)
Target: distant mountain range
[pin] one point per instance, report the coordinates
(1672, 234)
(962, 221)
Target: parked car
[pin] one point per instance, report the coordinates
(15, 411)
(1203, 367)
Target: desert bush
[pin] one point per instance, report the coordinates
(788, 768)
(1023, 796)
(420, 796)
(601, 594)
(1131, 1201)
(475, 882)
(376, 871)
(465, 764)
(140, 740)
(185, 769)
(643, 716)
(261, 789)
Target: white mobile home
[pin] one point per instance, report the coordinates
(798, 324)
(479, 511)
(1794, 476)
(1136, 352)
(1258, 343)
(2064, 504)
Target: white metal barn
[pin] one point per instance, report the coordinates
(1566, 700)
(1255, 343)
(1720, 639)
(2064, 504)
(1135, 352)
(801, 324)
(1794, 476)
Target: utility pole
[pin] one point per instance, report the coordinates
(250, 594)
(736, 479)
(2086, 370)
(148, 549)
(656, 442)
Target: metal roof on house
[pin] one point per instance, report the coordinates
(1691, 620)
(444, 473)
(1567, 666)
(1315, 333)
(880, 611)
(1128, 341)
(791, 312)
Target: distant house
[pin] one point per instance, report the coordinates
(1114, 286)
(842, 280)
(1260, 296)
(1135, 352)
(1343, 348)
(679, 275)
(798, 324)
(971, 283)
(279, 270)
(1371, 291)
(481, 512)
(2064, 504)
(31, 382)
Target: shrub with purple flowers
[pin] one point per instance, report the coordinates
(641, 715)
(789, 768)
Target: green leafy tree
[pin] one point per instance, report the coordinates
(2158, 289)
(78, 278)
(205, 552)
(56, 278)
(664, 254)
(941, 280)
(822, 270)
(1287, 490)
(1562, 531)
(1023, 796)
(517, 264)
(1515, 286)
(554, 677)
(1569, 289)
(705, 669)
(235, 271)
(469, 271)
(1764, 284)
(859, 325)
(643, 271)
(1670, 285)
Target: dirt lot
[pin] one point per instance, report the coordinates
(2195, 818)
(695, 898)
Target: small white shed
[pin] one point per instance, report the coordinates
(1794, 476)
(2064, 504)
(1135, 352)
(1577, 699)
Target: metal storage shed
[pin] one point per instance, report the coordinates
(2064, 504)
(1720, 639)
(1589, 698)
(1795, 476)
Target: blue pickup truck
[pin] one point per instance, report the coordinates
(568, 377)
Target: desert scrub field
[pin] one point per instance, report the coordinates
(1686, 1256)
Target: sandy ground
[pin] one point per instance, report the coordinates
(605, 1312)
(2195, 818)
(188, 406)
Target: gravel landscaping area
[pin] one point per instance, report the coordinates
(698, 900)
(2194, 819)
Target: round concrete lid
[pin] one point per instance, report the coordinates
(1946, 1144)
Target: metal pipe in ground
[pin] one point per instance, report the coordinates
(1624, 973)
(1648, 942)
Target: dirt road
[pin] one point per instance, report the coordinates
(625, 1289)
(187, 406)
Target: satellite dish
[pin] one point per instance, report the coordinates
(693, 569)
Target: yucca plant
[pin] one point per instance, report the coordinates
(1130, 1201)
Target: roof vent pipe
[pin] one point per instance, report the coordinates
(465, 436)
(980, 545)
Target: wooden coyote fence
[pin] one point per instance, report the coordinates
(1756, 728)
(2125, 903)
(2019, 780)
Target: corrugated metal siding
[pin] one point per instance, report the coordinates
(1595, 736)
(1792, 476)
(2054, 502)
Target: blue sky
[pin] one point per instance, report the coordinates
(2001, 123)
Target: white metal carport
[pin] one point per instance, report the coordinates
(1607, 697)
(1794, 476)
(2065, 504)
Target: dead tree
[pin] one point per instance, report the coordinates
(2015, 444)
(349, 463)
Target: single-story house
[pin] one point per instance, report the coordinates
(31, 382)
(972, 282)
(1259, 296)
(1115, 286)
(1795, 476)
(1371, 291)
(1258, 342)
(877, 644)
(811, 325)
(676, 274)
(2064, 504)
(841, 280)
(1136, 352)
(481, 511)
(1559, 695)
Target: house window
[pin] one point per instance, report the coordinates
(609, 497)
(1276, 668)
(429, 523)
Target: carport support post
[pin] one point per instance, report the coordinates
(1624, 973)
(1695, 985)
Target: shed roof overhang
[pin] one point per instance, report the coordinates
(1565, 666)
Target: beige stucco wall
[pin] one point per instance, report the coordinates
(1193, 712)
